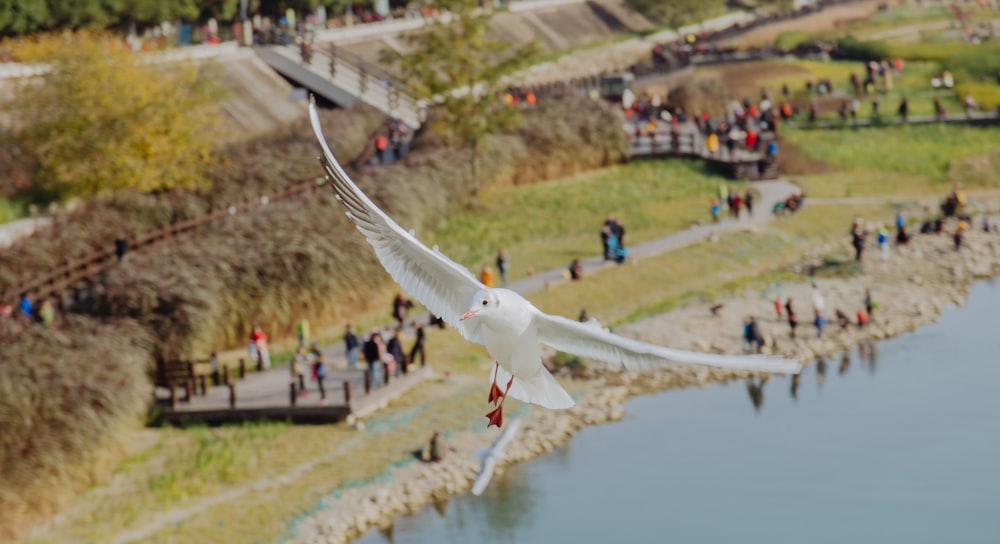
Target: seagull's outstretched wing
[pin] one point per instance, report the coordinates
(594, 341)
(442, 285)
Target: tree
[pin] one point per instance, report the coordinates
(456, 64)
(677, 13)
(104, 118)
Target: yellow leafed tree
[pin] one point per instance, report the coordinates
(103, 118)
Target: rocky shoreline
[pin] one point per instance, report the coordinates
(912, 288)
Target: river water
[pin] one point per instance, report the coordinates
(898, 441)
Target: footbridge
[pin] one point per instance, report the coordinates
(345, 80)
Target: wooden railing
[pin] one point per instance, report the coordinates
(92, 265)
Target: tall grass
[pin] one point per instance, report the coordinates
(66, 393)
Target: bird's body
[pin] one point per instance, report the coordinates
(508, 325)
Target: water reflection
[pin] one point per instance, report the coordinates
(755, 387)
(820, 372)
(865, 357)
(509, 505)
(845, 363)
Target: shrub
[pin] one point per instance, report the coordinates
(854, 49)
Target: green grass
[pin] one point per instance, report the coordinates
(922, 153)
(11, 210)
(547, 225)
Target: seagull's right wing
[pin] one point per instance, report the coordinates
(442, 285)
(592, 340)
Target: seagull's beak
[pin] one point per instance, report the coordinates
(468, 314)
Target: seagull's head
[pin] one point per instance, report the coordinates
(484, 302)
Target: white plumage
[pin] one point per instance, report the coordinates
(509, 326)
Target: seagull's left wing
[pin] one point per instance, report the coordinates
(442, 285)
(592, 340)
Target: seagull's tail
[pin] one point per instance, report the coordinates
(541, 389)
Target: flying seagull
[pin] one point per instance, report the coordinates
(509, 326)
(492, 455)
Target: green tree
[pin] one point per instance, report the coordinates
(104, 118)
(456, 64)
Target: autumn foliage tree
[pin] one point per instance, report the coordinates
(458, 66)
(103, 118)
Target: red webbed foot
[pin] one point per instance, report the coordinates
(495, 394)
(496, 417)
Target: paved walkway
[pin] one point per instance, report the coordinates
(770, 193)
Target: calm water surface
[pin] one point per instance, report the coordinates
(899, 442)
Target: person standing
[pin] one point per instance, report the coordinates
(418, 346)
(400, 306)
(319, 374)
(302, 332)
(857, 238)
(372, 357)
(502, 266)
(792, 320)
(817, 300)
(395, 349)
(883, 241)
(748, 201)
(121, 246)
(351, 346)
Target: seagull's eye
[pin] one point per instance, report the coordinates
(485, 302)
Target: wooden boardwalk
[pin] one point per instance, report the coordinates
(270, 395)
(688, 142)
